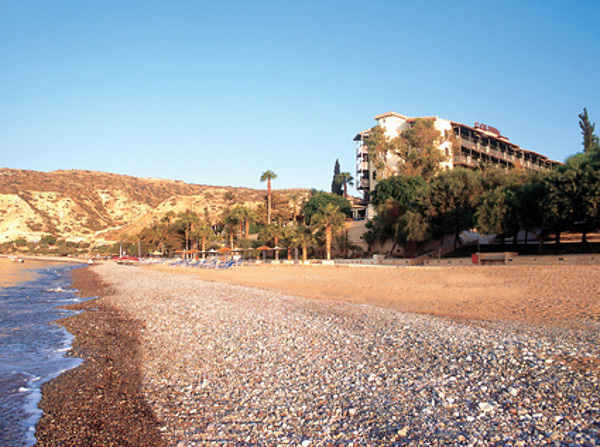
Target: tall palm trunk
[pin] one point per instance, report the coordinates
(268, 201)
(328, 241)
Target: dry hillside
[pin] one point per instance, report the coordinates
(97, 207)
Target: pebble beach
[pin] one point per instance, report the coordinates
(179, 361)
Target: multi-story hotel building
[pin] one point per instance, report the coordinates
(464, 145)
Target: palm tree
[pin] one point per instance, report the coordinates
(272, 233)
(304, 238)
(289, 240)
(345, 179)
(203, 231)
(247, 215)
(329, 219)
(295, 196)
(232, 221)
(185, 223)
(267, 176)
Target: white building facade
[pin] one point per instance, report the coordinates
(472, 146)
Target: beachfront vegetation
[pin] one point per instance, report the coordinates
(412, 209)
(267, 176)
(305, 223)
(415, 207)
(417, 148)
(319, 200)
(336, 187)
(328, 219)
(48, 244)
(590, 139)
(345, 179)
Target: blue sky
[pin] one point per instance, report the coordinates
(218, 92)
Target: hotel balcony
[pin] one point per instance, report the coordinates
(362, 166)
(463, 160)
(363, 183)
(361, 151)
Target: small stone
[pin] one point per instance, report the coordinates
(486, 407)
(403, 431)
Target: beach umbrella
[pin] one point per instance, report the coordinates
(223, 250)
(264, 249)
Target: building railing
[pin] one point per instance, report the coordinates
(517, 157)
(361, 150)
(363, 184)
(362, 166)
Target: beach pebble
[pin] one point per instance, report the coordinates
(228, 365)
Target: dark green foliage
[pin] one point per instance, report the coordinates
(172, 232)
(452, 202)
(590, 140)
(529, 205)
(405, 190)
(318, 202)
(48, 240)
(336, 185)
(498, 209)
(399, 201)
(573, 195)
(496, 213)
(345, 179)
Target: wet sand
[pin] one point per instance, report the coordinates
(100, 403)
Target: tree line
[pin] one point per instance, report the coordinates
(307, 223)
(419, 205)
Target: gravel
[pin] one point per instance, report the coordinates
(229, 365)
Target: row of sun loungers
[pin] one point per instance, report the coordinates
(209, 263)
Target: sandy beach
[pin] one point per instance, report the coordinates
(541, 295)
(331, 356)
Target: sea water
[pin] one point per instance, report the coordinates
(32, 348)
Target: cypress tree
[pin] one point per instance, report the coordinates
(590, 140)
(336, 185)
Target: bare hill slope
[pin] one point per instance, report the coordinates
(97, 206)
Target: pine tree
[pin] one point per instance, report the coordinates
(590, 140)
(336, 185)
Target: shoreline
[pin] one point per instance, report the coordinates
(154, 376)
(100, 402)
(41, 258)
